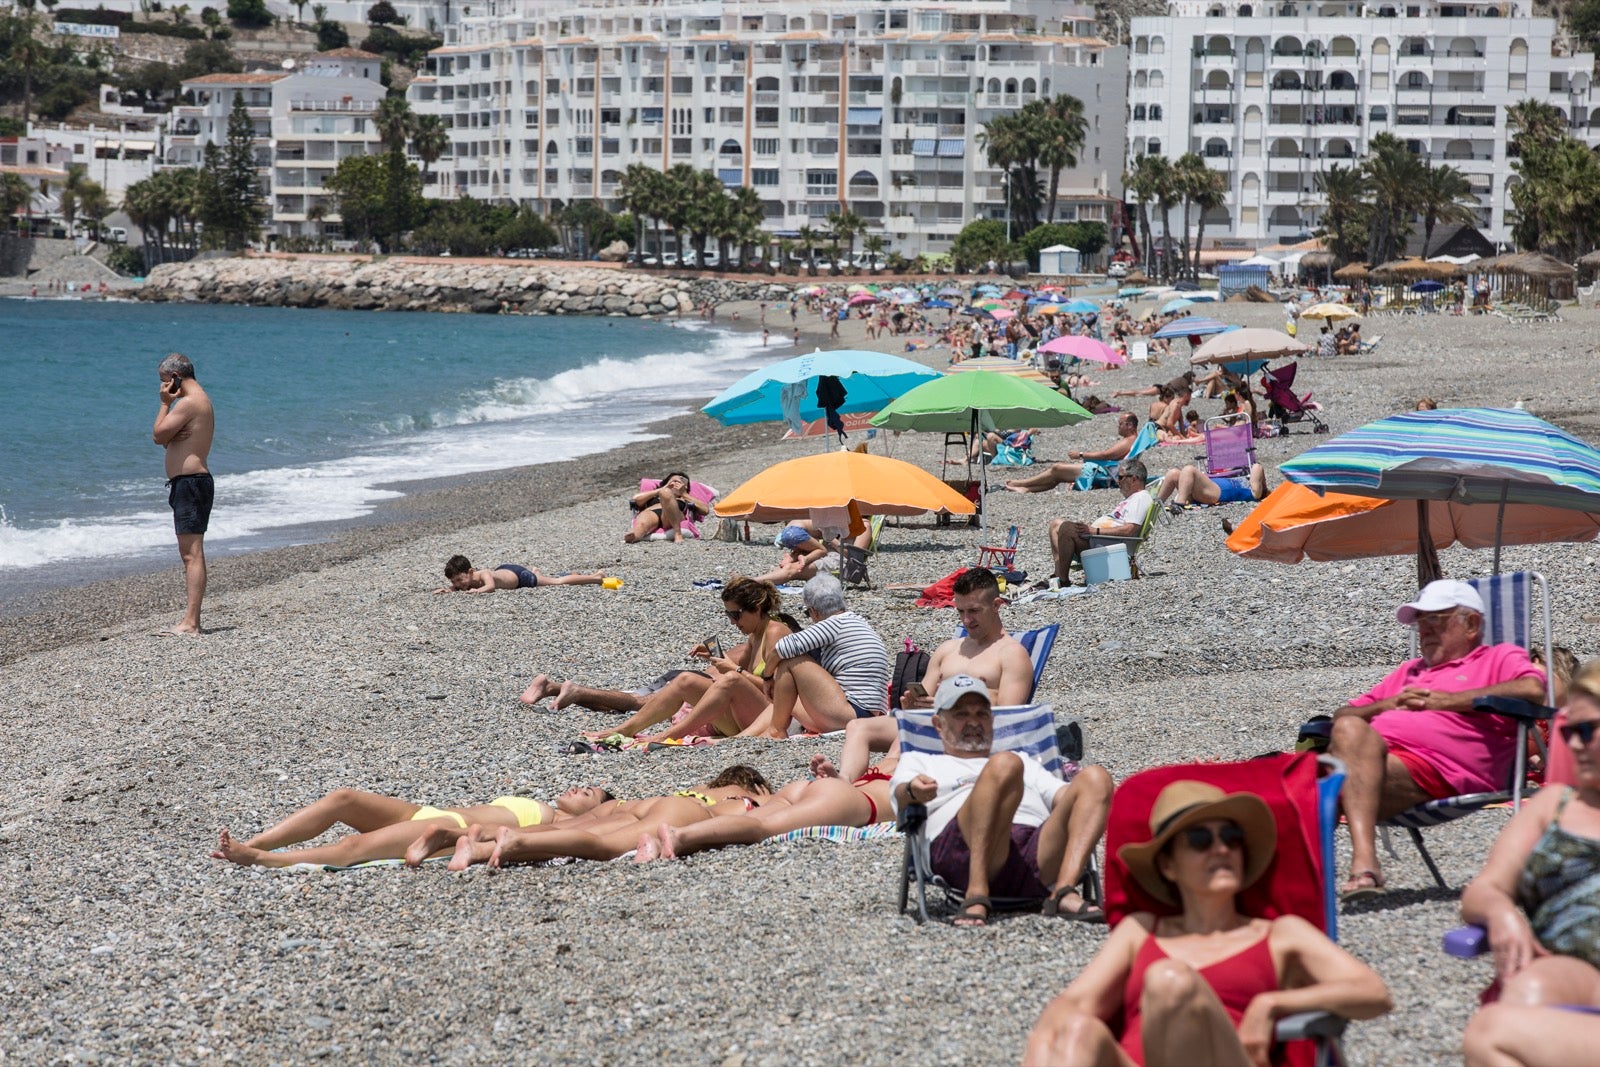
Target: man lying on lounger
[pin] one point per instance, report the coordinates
(1067, 473)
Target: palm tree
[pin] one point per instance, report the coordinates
(1343, 190)
(636, 190)
(1008, 145)
(1209, 193)
(429, 140)
(1059, 129)
(785, 254)
(393, 119)
(808, 239)
(708, 202)
(874, 244)
(1189, 179)
(15, 195)
(1143, 182)
(845, 226)
(71, 189)
(1166, 198)
(748, 214)
(676, 193)
(1443, 195)
(1534, 123)
(1393, 174)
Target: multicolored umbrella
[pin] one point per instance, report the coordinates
(1193, 327)
(1002, 365)
(1079, 347)
(1463, 455)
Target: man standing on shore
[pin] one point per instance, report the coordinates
(184, 426)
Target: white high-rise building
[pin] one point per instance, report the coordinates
(1271, 94)
(817, 105)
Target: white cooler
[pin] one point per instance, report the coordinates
(1108, 564)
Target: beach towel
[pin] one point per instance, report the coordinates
(941, 594)
(875, 832)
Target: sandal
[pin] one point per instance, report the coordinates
(1358, 889)
(967, 904)
(1085, 912)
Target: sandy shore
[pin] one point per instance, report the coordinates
(330, 665)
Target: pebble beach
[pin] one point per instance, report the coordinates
(332, 665)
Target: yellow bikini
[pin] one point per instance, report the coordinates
(528, 812)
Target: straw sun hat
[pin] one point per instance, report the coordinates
(1185, 803)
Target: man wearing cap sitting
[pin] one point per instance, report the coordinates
(1001, 823)
(1415, 737)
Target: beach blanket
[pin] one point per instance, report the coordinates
(302, 868)
(1053, 594)
(941, 594)
(875, 832)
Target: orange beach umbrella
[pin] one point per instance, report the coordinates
(1294, 523)
(858, 481)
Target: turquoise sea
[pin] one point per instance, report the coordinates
(315, 411)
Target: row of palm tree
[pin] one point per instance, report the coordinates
(1557, 199)
(1369, 208)
(1190, 183)
(1043, 136)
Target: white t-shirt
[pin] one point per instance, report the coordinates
(1131, 511)
(956, 777)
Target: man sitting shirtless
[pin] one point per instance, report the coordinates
(1067, 473)
(987, 653)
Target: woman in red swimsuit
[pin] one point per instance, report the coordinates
(1206, 985)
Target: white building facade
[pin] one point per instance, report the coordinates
(819, 106)
(306, 120)
(1272, 94)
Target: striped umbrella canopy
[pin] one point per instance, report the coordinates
(1193, 327)
(1002, 365)
(1463, 455)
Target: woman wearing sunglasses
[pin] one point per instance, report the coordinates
(1539, 898)
(735, 693)
(1204, 985)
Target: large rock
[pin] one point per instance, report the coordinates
(615, 252)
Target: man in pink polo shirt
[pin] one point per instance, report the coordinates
(1414, 736)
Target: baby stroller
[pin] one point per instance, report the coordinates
(1284, 405)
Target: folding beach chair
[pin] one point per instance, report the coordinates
(1039, 644)
(1102, 473)
(1028, 730)
(701, 492)
(1230, 445)
(1133, 541)
(1002, 556)
(1284, 405)
(1509, 601)
(1298, 882)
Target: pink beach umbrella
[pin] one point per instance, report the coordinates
(862, 298)
(1088, 348)
(1002, 313)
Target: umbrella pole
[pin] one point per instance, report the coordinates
(1427, 555)
(1499, 523)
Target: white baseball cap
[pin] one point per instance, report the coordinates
(957, 686)
(1442, 595)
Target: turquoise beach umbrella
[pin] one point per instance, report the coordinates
(1080, 307)
(1176, 305)
(871, 380)
(1462, 455)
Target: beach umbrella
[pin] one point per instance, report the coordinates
(1002, 365)
(968, 402)
(1051, 289)
(1017, 294)
(1294, 523)
(1131, 290)
(1253, 343)
(938, 304)
(977, 313)
(857, 288)
(1331, 312)
(871, 380)
(1177, 304)
(1085, 348)
(1048, 309)
(1186, 287)
(951, 290)
(1503, 457)
(1080, 307)
(862, 298)
(838, 488)
(1002, 313)
(1428, 286)
(1193, 327)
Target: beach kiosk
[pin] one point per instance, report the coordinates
(1058, 260)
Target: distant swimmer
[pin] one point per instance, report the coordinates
(464, 579)
(185, 423)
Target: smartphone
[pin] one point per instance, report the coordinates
(915, 689)
(714, 646)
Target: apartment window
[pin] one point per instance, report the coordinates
(764, 176)
(766, 146)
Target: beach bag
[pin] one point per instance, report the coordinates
(1315, 735)
(910, 665)
(854, 569)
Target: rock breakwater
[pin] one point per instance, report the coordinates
(361, 284)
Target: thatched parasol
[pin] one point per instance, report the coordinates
(1137, 277)
(1352, 272)
(1591, 261)
(1533, 265)
(1317, 261)
(1413, 269)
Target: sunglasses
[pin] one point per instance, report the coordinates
(1583, 731)
(735, 615)
(1200, 838)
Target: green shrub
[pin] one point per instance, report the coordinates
(126, 260)
(250, 14)
(331, 35)
(165, 29)
(85, 17)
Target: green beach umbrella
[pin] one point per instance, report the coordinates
(966, 403)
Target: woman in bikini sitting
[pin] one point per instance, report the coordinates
(852, 794)
(736, 692)
(1207, 984)
(606, 836)
(664, 508)
(1539, 898)
(386, 826)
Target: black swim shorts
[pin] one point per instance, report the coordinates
(190, 496)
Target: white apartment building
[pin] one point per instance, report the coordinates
(306, 121)
(1271, 94)
(818, 105)
(116, 158)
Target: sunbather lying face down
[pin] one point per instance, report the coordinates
(827, 800)
(738, 788)
(386, 826)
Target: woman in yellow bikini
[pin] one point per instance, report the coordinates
(386, 826)
(737, 691)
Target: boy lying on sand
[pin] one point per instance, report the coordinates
(463, 579)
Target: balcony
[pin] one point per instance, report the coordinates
(362, 106)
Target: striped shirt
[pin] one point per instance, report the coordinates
(851, 650)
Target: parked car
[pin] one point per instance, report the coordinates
(117, 235)
(1117, 270)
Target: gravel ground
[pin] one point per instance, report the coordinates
(332, 666)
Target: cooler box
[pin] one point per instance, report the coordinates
(1108, 564)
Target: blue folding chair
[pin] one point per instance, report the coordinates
(1101, 473)
(1509, 601)
(1028, 730)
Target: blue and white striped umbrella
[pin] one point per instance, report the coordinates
(1501, 456)
(1194, 327)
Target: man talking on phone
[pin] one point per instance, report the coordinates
(185, 423)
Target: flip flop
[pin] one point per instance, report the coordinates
(1352, 892)
(1085, 912)
(964, 920)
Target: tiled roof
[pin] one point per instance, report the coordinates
(256, 78)
(346, 53)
